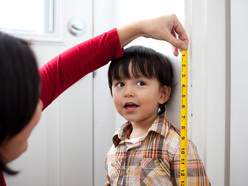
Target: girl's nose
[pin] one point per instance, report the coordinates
(129, 92)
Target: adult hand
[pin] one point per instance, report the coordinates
(166, 28)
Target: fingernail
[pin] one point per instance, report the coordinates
(184, 47)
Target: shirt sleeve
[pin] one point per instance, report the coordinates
(67, 68)
(2, 180)
(196, 174)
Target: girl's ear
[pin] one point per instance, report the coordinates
(165, 94)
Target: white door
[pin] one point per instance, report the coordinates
(60, 148)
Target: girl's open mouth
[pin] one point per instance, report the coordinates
(130, 106)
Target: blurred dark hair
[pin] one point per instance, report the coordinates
(19, 88)
(144, 60)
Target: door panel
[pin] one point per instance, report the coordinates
(239, 89)
(60, 148)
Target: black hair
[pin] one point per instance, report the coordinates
(144, 60)
(19, 88)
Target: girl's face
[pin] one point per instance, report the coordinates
(138, 99)
(12, 148)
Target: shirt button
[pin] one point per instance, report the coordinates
(132, 150)
(123, 172)
(156, 163)
(113, 163)
(128, 171)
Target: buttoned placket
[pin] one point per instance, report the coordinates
(125, 169)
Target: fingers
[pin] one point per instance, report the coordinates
(181, 33)
(174, 40)
(176, 44)
(175, 51)
(180, 42)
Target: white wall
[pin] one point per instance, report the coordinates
(239, 90)
(206, 26)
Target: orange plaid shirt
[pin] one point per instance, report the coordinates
(154, 159)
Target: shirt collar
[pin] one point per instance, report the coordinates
(160, 126)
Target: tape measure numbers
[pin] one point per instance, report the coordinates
(184, 101)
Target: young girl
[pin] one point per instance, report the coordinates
(146, 149)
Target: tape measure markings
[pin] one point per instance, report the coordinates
(184, 103)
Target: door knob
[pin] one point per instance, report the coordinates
(76, 26)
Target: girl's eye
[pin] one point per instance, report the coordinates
(119, 84)
(141, 83)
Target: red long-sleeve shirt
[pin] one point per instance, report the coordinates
(2, 180)
(70, 66)
(67, 68)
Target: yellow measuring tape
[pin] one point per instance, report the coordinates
(184, 102)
